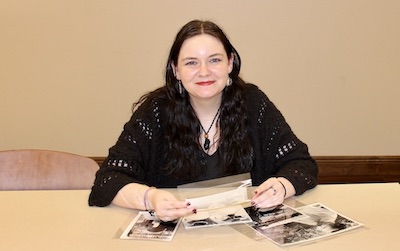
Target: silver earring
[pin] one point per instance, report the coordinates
(180, 87)
(229, 81)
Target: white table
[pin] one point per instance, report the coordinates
(62, 220)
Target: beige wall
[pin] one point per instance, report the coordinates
(70, 70)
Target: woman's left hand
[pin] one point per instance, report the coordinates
(269, 194)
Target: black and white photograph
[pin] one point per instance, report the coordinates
(148, 227)
(217, 217)
(269, 217)
(321, 222)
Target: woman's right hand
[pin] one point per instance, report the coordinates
(166, 206)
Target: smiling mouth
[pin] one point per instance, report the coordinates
(205, 83)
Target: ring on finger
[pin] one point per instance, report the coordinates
(273, 189)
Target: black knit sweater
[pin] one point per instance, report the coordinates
(138, 154)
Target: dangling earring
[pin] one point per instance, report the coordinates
(229, 81)
(180, 87)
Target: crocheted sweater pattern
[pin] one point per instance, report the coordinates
(138, 154)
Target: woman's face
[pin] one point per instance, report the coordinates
(203, 67)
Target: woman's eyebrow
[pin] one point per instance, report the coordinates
(216, 54)
(189, 58)
(195, 58)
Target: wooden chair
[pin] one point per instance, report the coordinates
(45, 170)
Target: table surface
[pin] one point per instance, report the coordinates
(62, 220)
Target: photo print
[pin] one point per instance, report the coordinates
(148, 227)
(217, 217)
(269, 217)
(321, 222)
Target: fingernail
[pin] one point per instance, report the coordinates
(194, 211)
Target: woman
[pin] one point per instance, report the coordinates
(205, 123)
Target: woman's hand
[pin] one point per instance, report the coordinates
(167, 207)
(272, 192)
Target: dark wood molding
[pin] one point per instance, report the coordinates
(350, 169)
(353, 169)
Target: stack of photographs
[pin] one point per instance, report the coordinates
(286, 226)
(282, 225)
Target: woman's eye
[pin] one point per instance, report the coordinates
(215, 60)
(190, 63)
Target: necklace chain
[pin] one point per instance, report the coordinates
(206, 139)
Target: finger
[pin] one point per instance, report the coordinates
(165, 200)
(263, 187)
(273, 190)
(273, 194)
(173, 214)
(264, 198)
(169, 208)
(270, 199)
(173, 209)
(183, 212)
(273, 202)
(176, 204)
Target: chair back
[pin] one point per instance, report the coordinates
(45, 170)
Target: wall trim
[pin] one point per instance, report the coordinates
(353, 169)
(350, 169)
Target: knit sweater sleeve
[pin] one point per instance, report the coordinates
(279, 152)
(128, 159)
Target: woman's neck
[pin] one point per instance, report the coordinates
(206, 109)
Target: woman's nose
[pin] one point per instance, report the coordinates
(204, 71)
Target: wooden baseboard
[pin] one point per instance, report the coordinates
(351, 169)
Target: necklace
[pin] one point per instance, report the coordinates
(206, 139)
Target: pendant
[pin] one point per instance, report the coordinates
(206, 144)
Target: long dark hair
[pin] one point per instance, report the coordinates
(184, 157)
